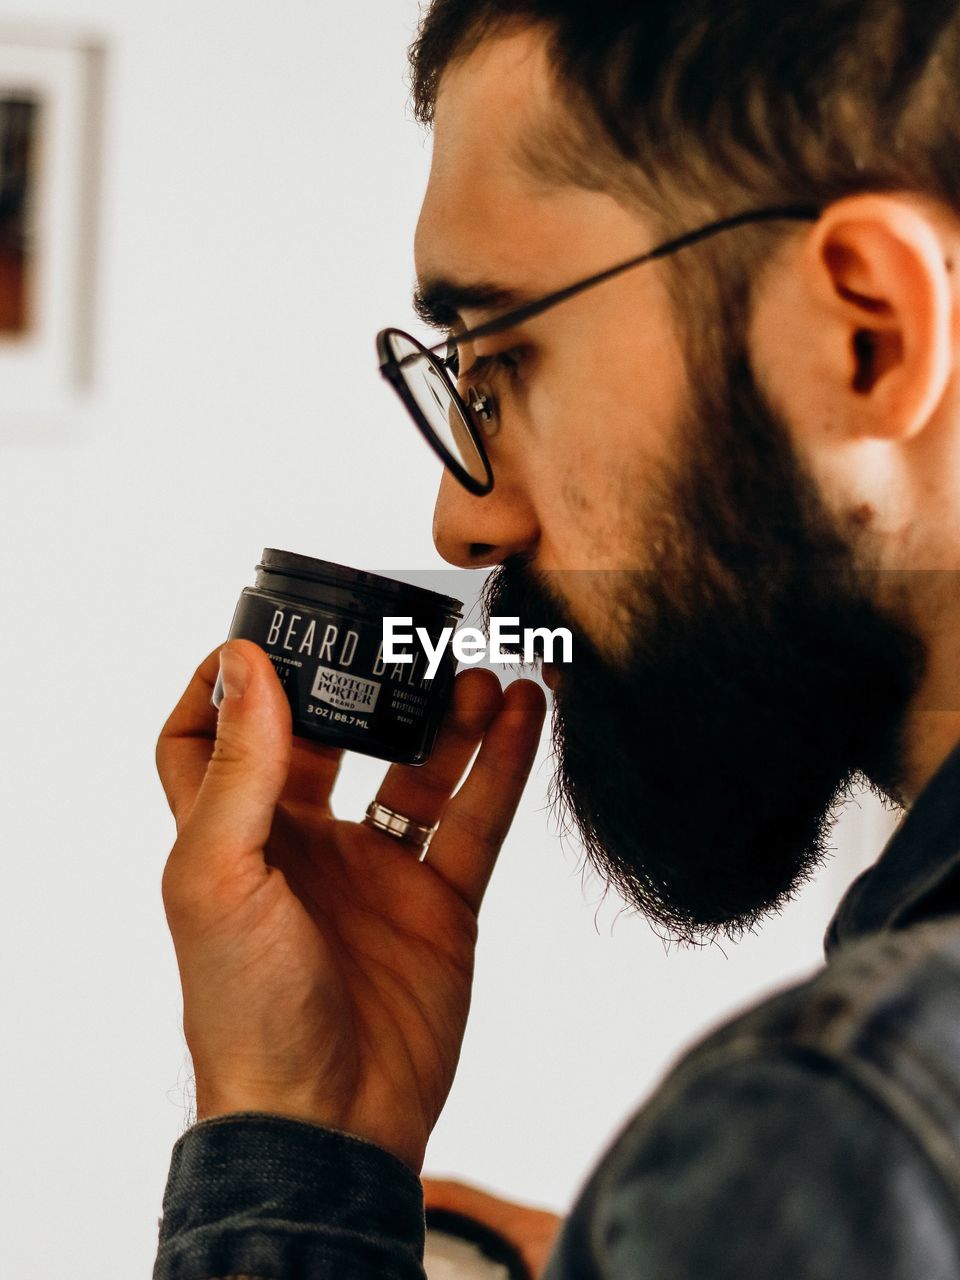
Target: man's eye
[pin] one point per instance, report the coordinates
(509, 360)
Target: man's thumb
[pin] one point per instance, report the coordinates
(234, 809)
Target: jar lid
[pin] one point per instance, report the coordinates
(325, 573)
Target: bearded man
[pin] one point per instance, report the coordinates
(698, 402)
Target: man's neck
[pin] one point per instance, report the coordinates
(930, 737)
(931, 728)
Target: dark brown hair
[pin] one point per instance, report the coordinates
(769, 103)
(699, 109)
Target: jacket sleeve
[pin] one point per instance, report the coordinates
(772, 1167)
(252, 1195)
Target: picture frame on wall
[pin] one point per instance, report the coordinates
(50, 107)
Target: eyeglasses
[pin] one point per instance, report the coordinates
(426, 378)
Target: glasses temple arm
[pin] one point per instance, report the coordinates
(788, 213)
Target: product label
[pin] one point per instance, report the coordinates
(343, 691)
(340, 688)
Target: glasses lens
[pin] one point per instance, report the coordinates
(429, 387)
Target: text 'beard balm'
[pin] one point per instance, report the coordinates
(322, 626)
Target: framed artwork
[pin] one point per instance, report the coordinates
(49, 160)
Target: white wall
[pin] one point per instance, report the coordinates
(261, 183)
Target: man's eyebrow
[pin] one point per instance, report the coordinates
(440, 303)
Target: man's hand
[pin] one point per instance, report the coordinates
(531, 1231)
(326, 971)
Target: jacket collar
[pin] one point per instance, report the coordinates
(917, 876)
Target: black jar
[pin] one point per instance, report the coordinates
(322, 626)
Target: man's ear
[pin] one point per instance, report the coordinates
(872, 320)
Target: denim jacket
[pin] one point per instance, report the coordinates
(814, 1137)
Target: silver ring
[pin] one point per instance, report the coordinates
(397, 825)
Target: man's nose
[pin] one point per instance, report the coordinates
(475, 532)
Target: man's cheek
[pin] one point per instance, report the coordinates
(575, 501)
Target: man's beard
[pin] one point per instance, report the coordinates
(764, 677)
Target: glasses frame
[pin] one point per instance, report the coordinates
(393, 369)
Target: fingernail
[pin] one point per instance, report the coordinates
(234, 673)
